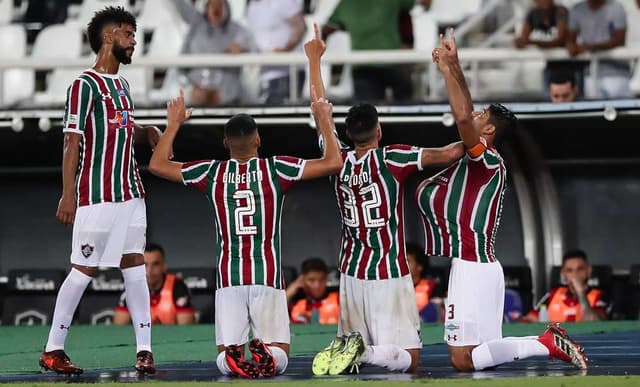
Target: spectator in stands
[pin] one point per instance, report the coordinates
(277, 26)
(596, 25)
(562, 87)
(575, 301)
(375, 28)
(429, 307)
(545, 27)
(170, 298)
(308, 296)
(214, 33)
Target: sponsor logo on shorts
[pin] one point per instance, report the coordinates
(452, 327)
(87, 250)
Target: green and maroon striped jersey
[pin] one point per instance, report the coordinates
(370, 193)
(99, 107)
(461, 207)
(247, 201)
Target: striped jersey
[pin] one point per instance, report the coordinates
(247, 201)
(99, 107)
(370, 193)
(461, 207)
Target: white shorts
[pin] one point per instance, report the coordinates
(474, 304)
(383, 311)
(261, 308)
(103, 232)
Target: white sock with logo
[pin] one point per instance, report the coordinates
(139, 305)
(389, 356)
(508, 349)
(280, 357)
(67, 301)
(222, 364)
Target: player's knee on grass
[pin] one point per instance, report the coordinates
(461, 359)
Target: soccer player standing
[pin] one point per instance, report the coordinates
(379, 322)
(461, 210)
(247, 194)
(103, 196)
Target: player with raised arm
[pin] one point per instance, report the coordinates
(102, 193)
(461, 210)
(247, 195)
(379, 322)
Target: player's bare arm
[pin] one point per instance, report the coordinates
(66, 212)
(331, 161)
(314, 49)
(446, 56)
(443, 156)
(161, 164)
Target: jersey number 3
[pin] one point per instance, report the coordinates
(371, 202)
(243, 214)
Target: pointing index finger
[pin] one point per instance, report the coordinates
(316, 31)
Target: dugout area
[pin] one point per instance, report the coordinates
(188, 354)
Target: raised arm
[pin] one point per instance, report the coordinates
(331, 161)
(161, 164)
(314, 49)
(443, 156)
(446, 56)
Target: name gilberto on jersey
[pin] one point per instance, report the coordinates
(242, 178)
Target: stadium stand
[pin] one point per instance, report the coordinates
(201, 282)
(18, 84)
(31, 294)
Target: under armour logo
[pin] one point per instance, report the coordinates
(63, 327)
(454, 337)
(148, 325)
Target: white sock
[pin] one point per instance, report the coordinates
(505, 350)
(280, 357)
(221, 361)
(389, 356)
(67, 301)
(139, 305)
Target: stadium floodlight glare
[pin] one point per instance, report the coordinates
(610, 113)
(44, 123)
(448, 120)
(17, 124)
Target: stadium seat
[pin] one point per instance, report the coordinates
(322, 10)
(6, 11)
(238, 11)
(425, 30)
(89, 7)
(518, 278)
(167, 42)
(17, 84)
(98, 304)
(201, 282)
(31, 296)
(158, 14)
(139, 78)
(445, 14)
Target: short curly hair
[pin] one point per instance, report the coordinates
(109, 15)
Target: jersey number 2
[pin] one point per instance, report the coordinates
(243, 214)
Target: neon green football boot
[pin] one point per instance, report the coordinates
(349, 358)
(322, 361)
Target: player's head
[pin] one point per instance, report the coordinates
(494, 122)
(241, 134)
(575, 265)
(113, 29)
(362, 123)
(562, 87)
(218, 12)
(156, 265)
(418, 263)
(316, 276)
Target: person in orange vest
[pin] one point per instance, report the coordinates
(575, 301)
(429, 302)
(308, 297)
(170, 298)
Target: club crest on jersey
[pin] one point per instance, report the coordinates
(122, 92)
(87, 250)
(121, 118)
